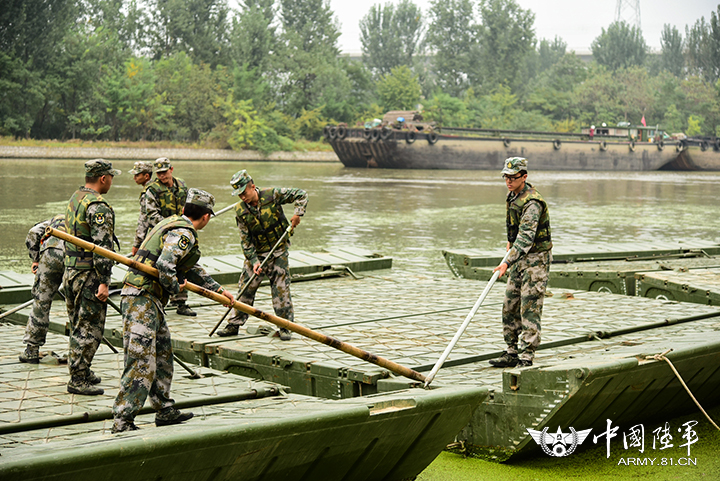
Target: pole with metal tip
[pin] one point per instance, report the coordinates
(16, 308)
(221, 299)
(222, 211)
(464, 325)
(252, 278)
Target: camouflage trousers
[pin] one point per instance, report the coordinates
(87, 319)
(277, 270)
(148, 358)
(522, 308)
(48, 279)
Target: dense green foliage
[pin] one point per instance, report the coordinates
(263, 74)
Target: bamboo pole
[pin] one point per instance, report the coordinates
(219, 298)
(16, 308)
(222, 211)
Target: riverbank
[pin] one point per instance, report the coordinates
(152, 153)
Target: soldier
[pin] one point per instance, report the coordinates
(142, 175)
(172, 247)
(165, 197)
(48, 265)
(529, 243)
(262, 222)
(87, 275)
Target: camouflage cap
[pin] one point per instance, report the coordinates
(240, 181)
(99, 167)
(162, 164)
(201, 198)
(513, 165)
(141, 168)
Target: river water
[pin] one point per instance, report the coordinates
(408, 214)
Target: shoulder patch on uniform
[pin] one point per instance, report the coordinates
(99, 218)
(184, 242)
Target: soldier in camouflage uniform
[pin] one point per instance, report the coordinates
(87, 275)
(262, 222)
(142, 175)
(172, 247)
(165, 196)
(48, 265)
(530, 246)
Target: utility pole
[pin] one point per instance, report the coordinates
(629, 12)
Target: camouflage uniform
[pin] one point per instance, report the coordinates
(48, 252)
(143, 226)
(172, 247)
(260, 228)
(528, 229)
(160, 202)
(90, 218)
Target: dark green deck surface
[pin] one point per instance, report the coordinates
(270, 435)
(410, 318)
(700, 285)
(15, 287)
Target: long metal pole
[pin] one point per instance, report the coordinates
(222, 211)
(252, 278)
(464, 325)
(16, 308)
(219, 298)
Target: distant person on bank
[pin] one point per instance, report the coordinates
(528, 266)
(262, 223)
(87, 275)
(163, 197)
(172, 247)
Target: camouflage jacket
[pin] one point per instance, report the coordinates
(264, 216)
(37, 242)
(177, 243)
(163, 201)
(143, 225)
(529, 222)
(97, 218)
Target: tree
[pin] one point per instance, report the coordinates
(391, 36)
(671, 44)
(621, 46)
(551, 93)
(197, 27)
(253, 37)
(703, 47)
(399, 90)
(451, 36)
(505, 37)
(308, 73)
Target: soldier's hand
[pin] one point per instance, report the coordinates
(257, 269)
(133, 252)
(501, 268)
(182, 285)
(35, 267)
(227, 294)
(295, 220)
(103, 293)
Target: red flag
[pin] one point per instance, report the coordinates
(643, 121)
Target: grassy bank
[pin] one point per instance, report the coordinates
(298, 145)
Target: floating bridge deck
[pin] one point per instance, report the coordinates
(591, 364)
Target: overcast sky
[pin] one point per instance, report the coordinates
(577, 22)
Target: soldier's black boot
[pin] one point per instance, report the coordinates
(31, 354)
(121, 426)
(81, 385)
(93, 378)
(171, 415)
(230, 330)
(285, 335)
(506, 360)
(184, 310)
